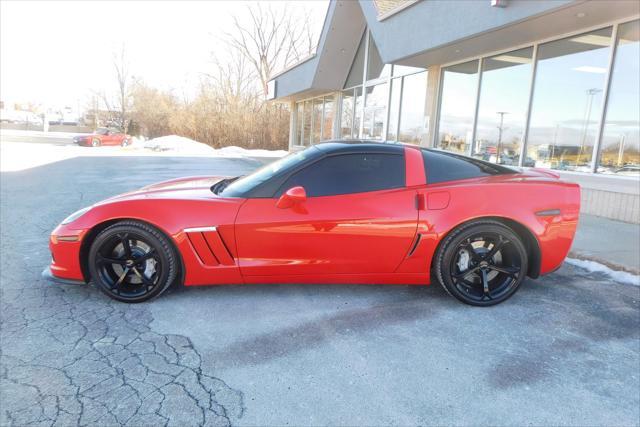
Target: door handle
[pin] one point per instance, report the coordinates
(420, 202)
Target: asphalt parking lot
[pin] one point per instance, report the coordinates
(565, 350)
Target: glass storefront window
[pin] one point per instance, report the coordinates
(299, 123)
(567, 100)
(394, 109)
(412, 114)
(402, 70)
(346, 120)
(375, 111)
(376, 69)
(358, 112)
(620, 146)
(307, 123)
(459, 87)
(317, 120)
(327, 125)
(502, 112)
(357, 68)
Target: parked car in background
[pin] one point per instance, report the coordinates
(103, 136)
(630, 170)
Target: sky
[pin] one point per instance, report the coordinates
(56, 52)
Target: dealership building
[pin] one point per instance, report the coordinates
(548, 83)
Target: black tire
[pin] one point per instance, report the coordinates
(124, 142)
(95, 142)
(132, 262)
(482, 263)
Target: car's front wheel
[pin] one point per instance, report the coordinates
(95, 142)
(132, 262)
(482, 263)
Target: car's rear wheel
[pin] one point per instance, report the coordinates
(125, 142)
(482, 263)
(95, 142)
(132, 262)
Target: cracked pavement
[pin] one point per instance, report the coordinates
(565, 350)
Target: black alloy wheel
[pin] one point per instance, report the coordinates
(482, 263)
(132, 262)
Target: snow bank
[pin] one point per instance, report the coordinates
(618, 276)
(16, 156)
(233, 151)
(185, 146)
(178, 144)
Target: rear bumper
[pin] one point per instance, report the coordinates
(46, 274)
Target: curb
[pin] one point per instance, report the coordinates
(612, 265)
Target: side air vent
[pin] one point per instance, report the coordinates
(209, 246)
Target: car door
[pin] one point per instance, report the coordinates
(358, 218)
(110, 138)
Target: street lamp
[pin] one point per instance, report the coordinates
(590, 94)
(500, 129)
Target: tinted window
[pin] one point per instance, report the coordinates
(349, 173)
(441, 166)
(241, 187)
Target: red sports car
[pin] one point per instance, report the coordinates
(334, 213)
(103, 136)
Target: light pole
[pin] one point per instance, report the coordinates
(500, 129)
(590, 94)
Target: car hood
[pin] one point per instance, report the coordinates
(195, 187)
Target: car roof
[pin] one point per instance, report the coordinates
(360, 146)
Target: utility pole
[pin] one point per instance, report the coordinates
(590, 94)
(500, 129)
(621, 149)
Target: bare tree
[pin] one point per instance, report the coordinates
(117, 103)
(121, 66)
(272, 40)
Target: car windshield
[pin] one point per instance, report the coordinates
(102, 131)
(239, 187)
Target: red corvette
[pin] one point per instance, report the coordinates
(334, 213)
(103, 136)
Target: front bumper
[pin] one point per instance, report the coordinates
(46, 274)
(65, 244)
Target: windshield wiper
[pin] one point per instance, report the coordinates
(219, 186)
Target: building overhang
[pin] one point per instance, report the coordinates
(436, 32)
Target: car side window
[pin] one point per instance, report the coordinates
(349, 173)
(441, 167)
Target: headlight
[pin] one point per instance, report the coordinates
(75, 215)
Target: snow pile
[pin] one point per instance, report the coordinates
(178, 144)
(233, 151)
(185, 146)
(594, 267)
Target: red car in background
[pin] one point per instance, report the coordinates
(336, 212)
(103, 136)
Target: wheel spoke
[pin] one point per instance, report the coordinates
(494, 250)
(509, 271)
(124, 274)
(466, 273)
(485, 284)
(106, 260)
(145, 279)
(472, 252)
(126, 245)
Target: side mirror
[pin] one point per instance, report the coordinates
(292, 197)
